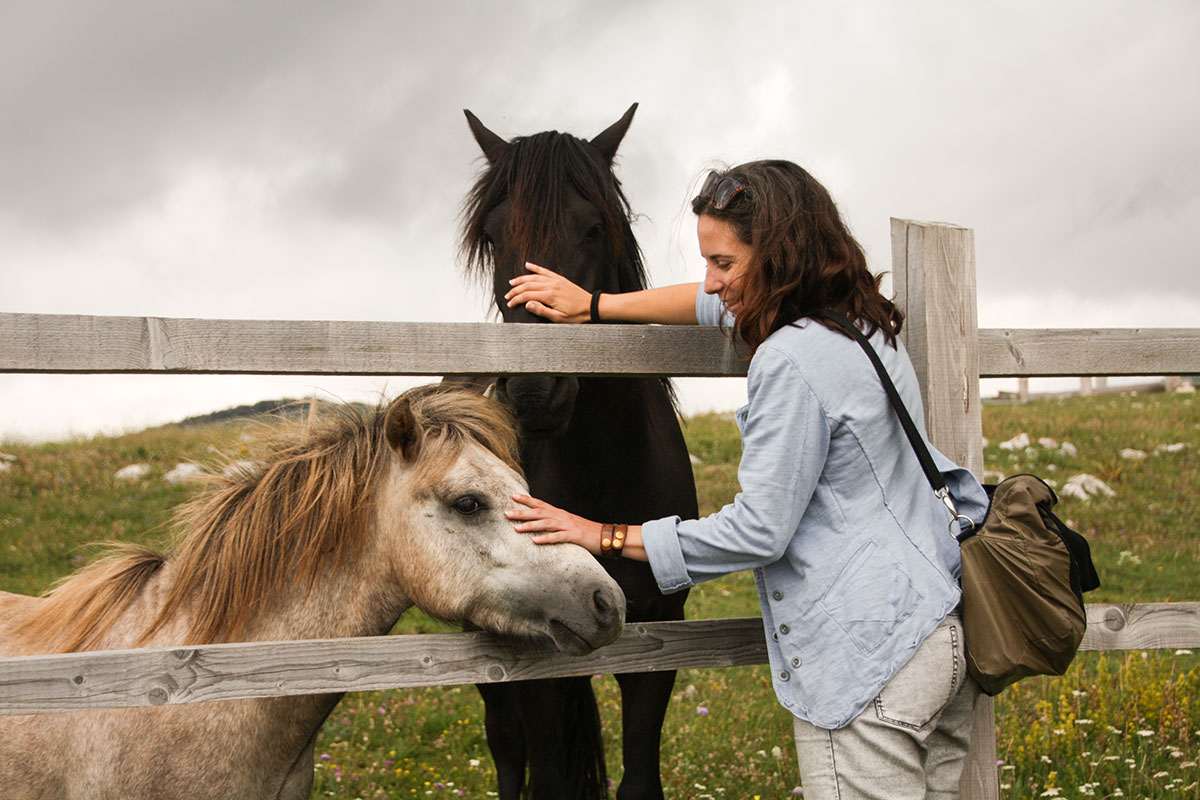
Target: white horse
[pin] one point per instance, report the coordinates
(343, 529)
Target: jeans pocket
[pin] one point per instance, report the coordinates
(922, 688)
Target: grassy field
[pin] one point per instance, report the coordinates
(1117, 725)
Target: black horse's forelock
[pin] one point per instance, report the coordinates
(534, 173)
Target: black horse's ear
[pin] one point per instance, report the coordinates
(492, 145)
(610, 138)
(401, 429)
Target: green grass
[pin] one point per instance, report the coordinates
(1117, 725)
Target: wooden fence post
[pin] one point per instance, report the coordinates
(933, 267)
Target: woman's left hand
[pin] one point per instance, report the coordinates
(553, 524)
(550, 295)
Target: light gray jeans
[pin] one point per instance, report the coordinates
(910, 742)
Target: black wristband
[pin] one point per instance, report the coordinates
(595, 312)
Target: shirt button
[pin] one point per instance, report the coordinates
(796, 662)
(783, 676)
(778, 595)
(784, 629)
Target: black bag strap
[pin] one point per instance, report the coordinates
(932, 473)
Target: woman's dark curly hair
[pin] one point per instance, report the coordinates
(807, 259)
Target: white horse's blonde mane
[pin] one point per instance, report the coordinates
(254, 535)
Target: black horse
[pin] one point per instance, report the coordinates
(607, 448)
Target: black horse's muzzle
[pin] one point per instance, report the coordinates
(542, 404)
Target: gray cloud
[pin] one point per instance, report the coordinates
(308, 159)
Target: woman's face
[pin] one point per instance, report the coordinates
(726, 259)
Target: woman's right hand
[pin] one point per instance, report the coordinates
(550, 295)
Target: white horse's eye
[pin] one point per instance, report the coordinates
(468, 505)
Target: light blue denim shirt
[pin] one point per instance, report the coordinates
(851, 550)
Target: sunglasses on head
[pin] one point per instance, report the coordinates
(722, 190)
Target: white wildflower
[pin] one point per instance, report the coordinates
(1169, 448)
(777, 751)
(1018, 442)
(1068, 449)
(1185, 388)
(694, 459)
(1052, 791)
(1183, 652)
(1047, 442)
(134, 472)
(1161, 774)
(1145, 734)
(1128, 557)
(1130, 454)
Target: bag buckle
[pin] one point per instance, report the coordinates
(944, 495)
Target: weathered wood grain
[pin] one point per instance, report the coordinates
(1142, 626)
(239, 671)
(933, 271)
(83, 344)
(89, 344)
(123, 678)
(1005, 352)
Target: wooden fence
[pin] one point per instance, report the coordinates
(934, 281)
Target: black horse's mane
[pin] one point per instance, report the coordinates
(534, 173)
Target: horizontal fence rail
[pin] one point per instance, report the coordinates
(60, 343)
(158, 676)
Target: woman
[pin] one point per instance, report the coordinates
(856, 571)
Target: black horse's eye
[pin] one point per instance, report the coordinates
(594, 233)
(468, 505)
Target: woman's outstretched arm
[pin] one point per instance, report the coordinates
(554, 525)
(550, 295)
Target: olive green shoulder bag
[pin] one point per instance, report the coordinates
(1023, 571)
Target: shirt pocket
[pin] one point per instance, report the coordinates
(870, 596)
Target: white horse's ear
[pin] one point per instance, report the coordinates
(401, 430)
(493, 146)
(608, 140)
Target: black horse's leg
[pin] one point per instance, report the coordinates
(505, 736)
(562, 734)
(644, 699)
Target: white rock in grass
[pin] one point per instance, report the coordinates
(183, 473)
(242, 469)
(1048, 443)
(134, 472)
(1130, 454)
(1170, 448)
(7, 457)
(1018, 442)
(1084, 487)
(1068, 449)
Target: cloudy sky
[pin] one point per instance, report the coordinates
(307, 160)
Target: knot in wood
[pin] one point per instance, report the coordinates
(1114, 619)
